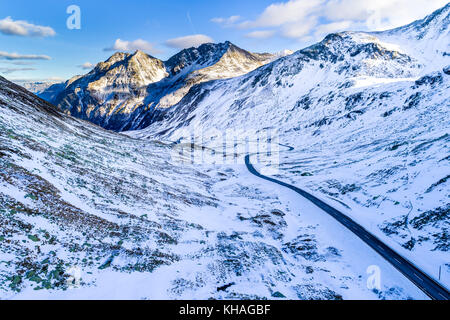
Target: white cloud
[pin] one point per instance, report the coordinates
(299, 29)
(227, 21)
(325, 29)
(87, 66)
(16, 56)
(306, 19)
(381, 14)
(189, 41)
(12, 70)
(262, 34)
(22, 28)
(278, 14)
(139, 44)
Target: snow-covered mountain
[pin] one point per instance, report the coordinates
(126, 91)
(114, 87)
(282, 54)
(347, 59)
(117, 218)
(367, 114)
(37, 87)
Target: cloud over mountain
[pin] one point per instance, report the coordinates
(86, 66)
(189, 41)
(311, 20)
(139, 44)
(226, 21)
(263, 34)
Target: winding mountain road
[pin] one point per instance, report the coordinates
(428, 285)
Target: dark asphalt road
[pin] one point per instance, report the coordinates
(428, 285)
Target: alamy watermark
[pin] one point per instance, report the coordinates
(374, 278)
(74, 279)
(229, 147)
(74, 20)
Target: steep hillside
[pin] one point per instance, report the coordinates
(367, 115)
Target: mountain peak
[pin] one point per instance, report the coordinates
(117, 56)
(136, 81)
(205, 54)
(140, 53)
(209, 54)
(228, 44)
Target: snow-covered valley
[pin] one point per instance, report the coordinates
(78, 199)
(360, 120)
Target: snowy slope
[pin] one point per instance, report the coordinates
(127, 90)
(107, 216)
(367, 114)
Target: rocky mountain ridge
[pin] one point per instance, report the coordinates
(125, 91)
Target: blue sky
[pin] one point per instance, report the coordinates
(35, 42)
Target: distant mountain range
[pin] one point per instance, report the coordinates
(36, 87)
(124, 92)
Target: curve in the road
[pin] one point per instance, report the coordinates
(427, 284)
